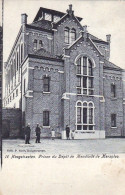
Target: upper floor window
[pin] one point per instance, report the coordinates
(84, 71)
(17, 61)
(48, 17)
(66, 35)
(56, 18)
(113, 90)
(45, 118)
(24, 85)
(72, 35)
(40, 44)
(21, 53)
(85, 115)
(46, 84)
(35, 44)
(113, 120)
(16, 92)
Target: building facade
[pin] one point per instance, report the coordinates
(1, 62)
(59, 74)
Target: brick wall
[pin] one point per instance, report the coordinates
(113, 105)
(11, 122)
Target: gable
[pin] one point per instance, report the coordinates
(66, 18)
(83, 38)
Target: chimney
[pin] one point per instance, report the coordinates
(70, 7)
(85, 28)
(70, 11)
(24, 18)
(108, 38)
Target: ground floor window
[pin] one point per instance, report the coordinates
(84, 115)
(45, 118)
(113, 120)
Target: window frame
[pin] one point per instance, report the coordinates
(72, 33)
(67, 35)
(113, 120)
(35, 44)
(113, 90)
(46, 84)
(84, 73)
(85, 122)
(46, 118)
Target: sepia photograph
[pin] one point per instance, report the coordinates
(63, 94)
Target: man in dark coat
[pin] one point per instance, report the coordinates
(67, 131)
(27, 133)
(38, 131)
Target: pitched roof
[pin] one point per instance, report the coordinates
(51, 11)
(45, 24)
(110, 65)
(64, 17)
(81, 38)
(42, 52)
(97, 40)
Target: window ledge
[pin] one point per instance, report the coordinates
(87, 95)
(113, 127)
(113, 98)
(84, 131)
(47, 127)
(46, 92)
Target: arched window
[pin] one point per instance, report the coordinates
(85, 115)
(84, 71)
(40, 44)
(72, 35)
(66, 35)
(35, 44)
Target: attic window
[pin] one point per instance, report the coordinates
(48, 17)
(56, 18)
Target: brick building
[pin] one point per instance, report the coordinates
(59, 74)
(1, 62)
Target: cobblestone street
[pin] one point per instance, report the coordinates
(47, 146)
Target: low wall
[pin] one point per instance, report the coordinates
(11, 122)
(96, 134)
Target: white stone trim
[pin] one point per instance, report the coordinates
(84, 55)
(95, 46)
(65, 56)
(60, 71)
(46, 127)
(87, 106)
(54, 29)
(45, 92)
(30, 68)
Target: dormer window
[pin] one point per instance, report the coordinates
(56, 18)
(48, 17)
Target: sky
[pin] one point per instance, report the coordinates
(101, 17)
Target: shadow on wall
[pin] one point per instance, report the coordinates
(11, 123)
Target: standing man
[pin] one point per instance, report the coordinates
(67, 131)
(38, 131)
(27, 133)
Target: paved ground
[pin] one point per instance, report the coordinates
(47, 146)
